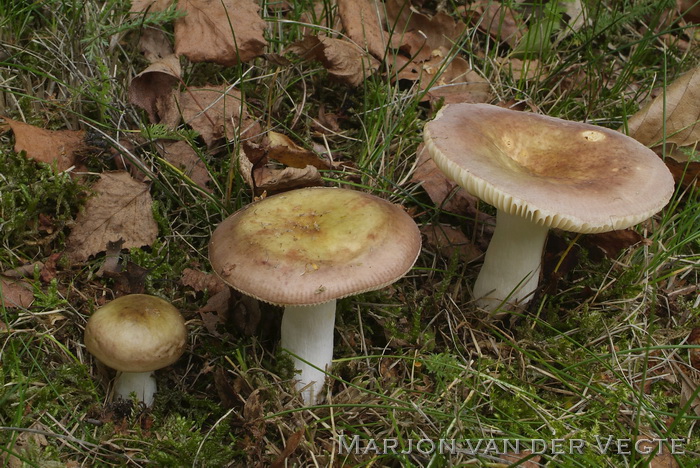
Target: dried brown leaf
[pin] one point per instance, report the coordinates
(152, 89)
(120, 209)
(676, 112)
(181, 155)
(344, 60)
(58, 147)
(685, 171)
(15, 293)
(289, 447)
(613, 242)
(694, 339)
(320, 15)
(271, 180)
(690, 10)
(457, 82)
(145, 6)
(439, 30)
(216, 311)
(281, 148)
(226, 391)
(442, 191)
(200, 281)
(523, 459)
(216, 112)
(362, 23)
(496, 20)
(688, 387)
(450, 241)
(226, 32)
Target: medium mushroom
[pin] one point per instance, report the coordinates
(135, 335)
(303, 250)
(541, 172)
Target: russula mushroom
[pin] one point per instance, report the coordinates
(303, 250)
(136, 334)
(541, 172)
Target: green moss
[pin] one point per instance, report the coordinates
(180, 442)
(29, 193)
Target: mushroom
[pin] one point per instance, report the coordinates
(135, 335)
(541, 172)
(303, 250)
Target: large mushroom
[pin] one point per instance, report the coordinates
(136, 335)
(303, 250)
(541, 172)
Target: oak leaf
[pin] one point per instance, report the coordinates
(120, 209)
(226, 32)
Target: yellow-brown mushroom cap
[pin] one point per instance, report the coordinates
(557, 173)
(136, 333)
(313, 245)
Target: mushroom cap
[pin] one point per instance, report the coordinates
(136, 333)
(557, 173)
(313, 245)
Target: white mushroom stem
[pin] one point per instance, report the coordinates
(143, 384)
(511, 269)
(307, 332)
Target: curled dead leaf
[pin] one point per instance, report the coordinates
(289, 447)
(152, 89)
(271, 180)
(281, 148)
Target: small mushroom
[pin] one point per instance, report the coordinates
(303, 250)
(541, 172)
(135, 335)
